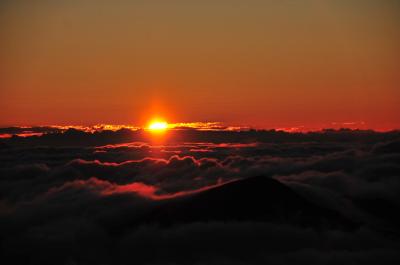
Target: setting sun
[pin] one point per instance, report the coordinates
(158, 126)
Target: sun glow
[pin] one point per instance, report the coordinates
(158, 126)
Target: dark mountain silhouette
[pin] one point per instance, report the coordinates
(253, 199)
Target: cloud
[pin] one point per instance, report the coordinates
(90, 203)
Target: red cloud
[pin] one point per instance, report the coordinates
(106, 188)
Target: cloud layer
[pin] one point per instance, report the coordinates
(80, 204)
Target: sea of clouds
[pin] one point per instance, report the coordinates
(76, 204)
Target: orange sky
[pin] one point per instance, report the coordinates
(258, 63)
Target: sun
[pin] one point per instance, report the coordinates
(158, 126)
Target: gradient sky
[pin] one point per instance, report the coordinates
(258, 63)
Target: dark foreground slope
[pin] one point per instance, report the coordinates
(253, 199)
